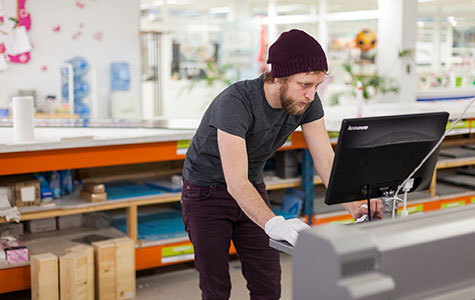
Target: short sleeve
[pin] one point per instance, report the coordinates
(230, 114)
(314, 112)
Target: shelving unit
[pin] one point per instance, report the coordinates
(149, 255)
(120, 152)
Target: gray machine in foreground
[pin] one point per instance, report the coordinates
(427, 256)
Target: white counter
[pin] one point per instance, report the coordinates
(64, 138)
(78, 137)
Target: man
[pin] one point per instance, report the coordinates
(224, 197)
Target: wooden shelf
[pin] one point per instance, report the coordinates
(73, 205)
(289, 183)
(455, 162)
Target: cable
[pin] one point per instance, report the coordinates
(431, 152)
(369, 209)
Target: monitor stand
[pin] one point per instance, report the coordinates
(390, 206)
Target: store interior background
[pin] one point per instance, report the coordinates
(182, 53)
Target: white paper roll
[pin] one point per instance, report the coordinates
(23, 119)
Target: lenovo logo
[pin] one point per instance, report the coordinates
(365, 127)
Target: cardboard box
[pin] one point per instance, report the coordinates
(11, 229)
(41, 225)
(25, 192)
(89, 252)
(98, 220)
(14, 250)
(286, 164)
(71, 221)
(44, 277)
(94, 187)
(73, 276)
(96, 197)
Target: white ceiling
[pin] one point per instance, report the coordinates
(429, 6)
(333, 5)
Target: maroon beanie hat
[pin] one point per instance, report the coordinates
(295, 52)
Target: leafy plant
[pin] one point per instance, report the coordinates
(211, 74)
(407, 52)
(372, 85)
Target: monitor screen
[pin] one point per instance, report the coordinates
(375, 155)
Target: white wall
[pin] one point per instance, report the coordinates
(118, 20)
(397, 26)
(181, 101)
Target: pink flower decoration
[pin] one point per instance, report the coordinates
(23, 58)
(80, 4)
(23, 13)
(77, 35)
(57, 28)
(24, 17)
(98, 36)
(19, 59)
(44, 68)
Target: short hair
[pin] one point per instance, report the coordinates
(269, 79)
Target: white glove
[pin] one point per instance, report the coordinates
(279, 228)
(363, 217)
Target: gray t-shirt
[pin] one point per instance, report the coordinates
(242, 110)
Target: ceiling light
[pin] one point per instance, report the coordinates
(219, 10)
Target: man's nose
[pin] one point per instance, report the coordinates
(310, 94)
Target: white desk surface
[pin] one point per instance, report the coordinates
(64, 138)
(78, 137)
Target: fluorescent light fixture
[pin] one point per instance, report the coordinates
(161, 2)
(151, 4)
(219, 10)
(179, 2)
(290, 8)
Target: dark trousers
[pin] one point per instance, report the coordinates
(212, 219)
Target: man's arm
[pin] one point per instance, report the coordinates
(232, 150)
(318, 143)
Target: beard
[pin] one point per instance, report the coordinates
(289, 104)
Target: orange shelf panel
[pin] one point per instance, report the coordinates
(297, 142)
(101, 156)
(14, 279)
(151, 257)
(60, 159)
(427, 206)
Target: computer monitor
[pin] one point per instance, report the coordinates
(375, 155)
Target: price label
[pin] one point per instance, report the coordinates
(182, 146)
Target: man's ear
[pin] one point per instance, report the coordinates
(278, 81)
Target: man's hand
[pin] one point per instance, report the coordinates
(357, 209)
(278, 228)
